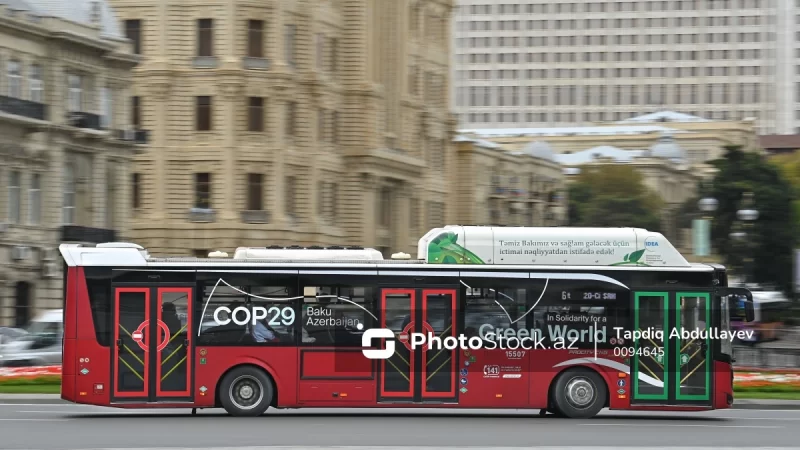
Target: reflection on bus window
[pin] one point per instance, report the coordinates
(336, 315)
(256, 315)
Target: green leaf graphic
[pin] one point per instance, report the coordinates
(626, 257)
(449, 260)
(635, 256)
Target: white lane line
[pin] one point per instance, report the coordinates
(47, 405)
(300, 447)
(659, 425)
(759, 418)
(33, 420)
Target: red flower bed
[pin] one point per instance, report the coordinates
(16, 373)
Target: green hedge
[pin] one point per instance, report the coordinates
(44, 380)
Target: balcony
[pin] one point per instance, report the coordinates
(136, 136)
(250, 62)
(255, 216)
(203, 215)
(82, 119)
(76, 233)
(24, 108)
(205, 62)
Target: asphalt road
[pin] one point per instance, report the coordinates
(67, 426)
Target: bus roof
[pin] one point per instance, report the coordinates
(617, 248)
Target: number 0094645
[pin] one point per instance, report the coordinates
(641, 351)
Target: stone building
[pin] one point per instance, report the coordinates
(700, 138)
(65, 143)
(303, 122)
(501, 187)
(665, 168)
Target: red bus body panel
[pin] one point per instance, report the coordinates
(327, 377)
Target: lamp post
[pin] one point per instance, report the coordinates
(742, 230)
(702, 227)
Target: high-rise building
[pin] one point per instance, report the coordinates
(65, 148)
(290, 122)
(527, 63)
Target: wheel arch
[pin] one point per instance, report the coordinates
(590, 367)
(256, 365)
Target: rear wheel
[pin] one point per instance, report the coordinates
(246, 391)
(579, 393)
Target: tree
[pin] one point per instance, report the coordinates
(772, 238)
(613, 196)
(789, 166)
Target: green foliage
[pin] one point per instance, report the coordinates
(43, 380)
(789, 166)
(771, 240)
(613, 196)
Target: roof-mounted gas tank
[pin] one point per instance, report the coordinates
(551, 246)
(297, 253)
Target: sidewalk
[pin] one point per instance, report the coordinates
(55, 399)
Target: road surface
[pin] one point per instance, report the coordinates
(67, 426)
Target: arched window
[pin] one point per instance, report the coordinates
(68, 204)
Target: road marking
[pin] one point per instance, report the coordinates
(48, 405)
(659, 425)
(300, 447)
(759, 418)
(34, 420)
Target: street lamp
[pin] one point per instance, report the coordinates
(708, 204)
(745, 218)
(702, 227)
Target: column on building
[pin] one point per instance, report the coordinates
(232, 98)
(98, 184)
(402, 211)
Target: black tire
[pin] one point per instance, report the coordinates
(246, 391)
(579, 393)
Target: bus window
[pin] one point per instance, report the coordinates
(336, 315)
(489, 310)
(259, 315)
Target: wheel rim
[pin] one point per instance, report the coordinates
(246, 392)
(580, 393)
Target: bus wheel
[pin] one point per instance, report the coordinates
(579, 393)
(246, 391)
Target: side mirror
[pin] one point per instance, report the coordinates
(740, 303)
(749, 311)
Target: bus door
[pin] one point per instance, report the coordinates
(152, 358)
(671, 362)
(421, 373)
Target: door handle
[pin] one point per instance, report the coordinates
(186, 343)
(119, 343)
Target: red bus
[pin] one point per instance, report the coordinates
(563, 320)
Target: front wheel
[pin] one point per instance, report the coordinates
(579, 393)
(246, 391)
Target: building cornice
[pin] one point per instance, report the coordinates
(80, 39)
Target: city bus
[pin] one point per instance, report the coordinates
(562, 320)
(769, 310)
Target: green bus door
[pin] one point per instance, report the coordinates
(671, 360)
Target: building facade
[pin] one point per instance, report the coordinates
(297, 123)
(514, 188)
(64, 140)
(539, 63)
(700, 139)
(665, 168)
